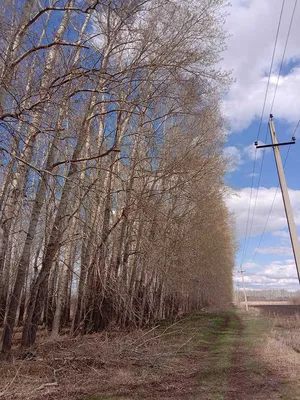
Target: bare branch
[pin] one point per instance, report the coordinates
(43, 47)
(72, 161)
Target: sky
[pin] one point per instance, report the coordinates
(252, 25)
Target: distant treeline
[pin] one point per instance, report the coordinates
(273, 294)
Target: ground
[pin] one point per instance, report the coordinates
(211, 356)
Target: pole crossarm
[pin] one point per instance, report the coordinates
(273, 145)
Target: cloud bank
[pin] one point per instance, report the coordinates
(238, 204)
(252, 26)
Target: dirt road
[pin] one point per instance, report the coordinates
(206, 357)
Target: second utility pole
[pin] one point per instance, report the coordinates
(244, 289)
(285, 193)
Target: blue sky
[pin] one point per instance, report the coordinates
(252, 26)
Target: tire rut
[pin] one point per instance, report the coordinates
(248, 381)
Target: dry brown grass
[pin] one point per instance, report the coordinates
(295, 300)
(76, 368)
(282, 349)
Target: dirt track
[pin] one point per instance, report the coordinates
(250, 378)
(207, 357)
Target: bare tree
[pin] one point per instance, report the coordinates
(112, 197)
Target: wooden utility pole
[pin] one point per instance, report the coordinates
(284, 191)
(244, 290)
(237, 297)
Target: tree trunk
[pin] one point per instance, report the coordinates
(63, 284)
(20, 180)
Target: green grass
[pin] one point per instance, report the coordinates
(222, 335)
(255, 330)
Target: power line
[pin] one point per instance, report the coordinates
(246, 241)
(284, 51)
(297, 126)
(249, 208)
(257, 191)
(272, 204)
(274, 96)
(270, 72)
(269, 214)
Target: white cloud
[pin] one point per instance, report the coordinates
(282, 234)
(278, 274)
(238, 203)
(283, 270)
(265, 282)
(276, 250)
(233, 156)
(252, 153)
(250, 265)
(252, 26)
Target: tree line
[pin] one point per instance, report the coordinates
(111, 171)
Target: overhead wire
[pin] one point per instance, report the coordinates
(272, 104)
(297, 126)
(273, 201)
(283, 56)
(273, 101)
(270, 71)
(247, 233)
(269, 213)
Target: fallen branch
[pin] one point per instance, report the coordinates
(144, 334)
(45, 385)
(4, 390)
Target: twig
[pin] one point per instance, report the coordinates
(164, 333)
(185, 343)
(144, 334)
(45, 385)
(4, 390)
(39, 170)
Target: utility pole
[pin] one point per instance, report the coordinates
(284, 191)
(237, 297)
(244, 289)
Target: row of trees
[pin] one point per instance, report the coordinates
(270, 294)
(111, 139)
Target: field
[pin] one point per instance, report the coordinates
(211, 356)
(279, 310)
(274, 308)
